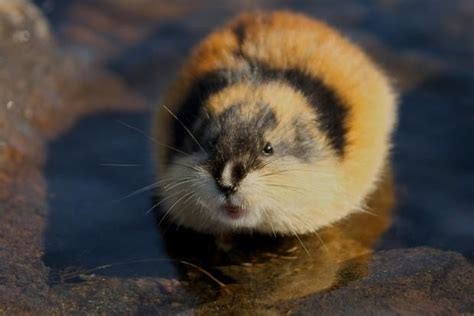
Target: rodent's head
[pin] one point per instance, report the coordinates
(253, 160)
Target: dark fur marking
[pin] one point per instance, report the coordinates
(301, 146)
(199, 93)
(238, 172)
(240, 33)
(237, 140)
(331, 111)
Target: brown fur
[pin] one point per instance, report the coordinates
(286, 40)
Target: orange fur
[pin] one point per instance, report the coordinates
(286, 40)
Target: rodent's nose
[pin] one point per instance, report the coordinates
(226, 189)
(226, 180)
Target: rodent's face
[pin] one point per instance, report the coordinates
(252, 167)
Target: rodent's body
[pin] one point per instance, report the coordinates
(282, 126)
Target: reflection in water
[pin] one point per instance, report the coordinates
(113, 250)
(231, 273)
(89, 225)
(259, 270)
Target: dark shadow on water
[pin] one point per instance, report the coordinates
(258, 270)
(433, 163)
(87, 226)
(89, 232)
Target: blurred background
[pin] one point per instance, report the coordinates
(63, 204)
(425, 46)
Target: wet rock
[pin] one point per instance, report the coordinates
(406, 281)
(43, 90)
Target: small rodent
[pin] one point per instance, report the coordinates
(276, 124)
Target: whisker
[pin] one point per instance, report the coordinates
(288, 187)
(185, 165)
(120, 165)
(172, 186)
(107, 266)
(274, 173)
(367, 212)
(185, 128)
(172, 206)
(273, 229)
(186, 203)
(209, 275)
(287, 170)
(146, 188)
(151, 138)
(322, 242)
(302, 244)
(163, 200)
(272, 161)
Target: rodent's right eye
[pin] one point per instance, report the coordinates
(268, 149)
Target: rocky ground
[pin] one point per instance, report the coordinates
(66, 246)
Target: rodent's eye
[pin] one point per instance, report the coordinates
(268, 149)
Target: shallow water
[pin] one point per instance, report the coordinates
(89, 226)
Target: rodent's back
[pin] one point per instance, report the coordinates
(353, 100)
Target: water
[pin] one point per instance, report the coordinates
(88, 228)
(434, 177)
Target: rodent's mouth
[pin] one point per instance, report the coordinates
(233, 211)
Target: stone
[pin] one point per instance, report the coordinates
(47, 83)
(418, 281)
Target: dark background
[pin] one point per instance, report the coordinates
(426, 46)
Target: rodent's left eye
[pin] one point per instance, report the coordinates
(268, 149)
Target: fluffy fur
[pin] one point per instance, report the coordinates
(281, 79)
